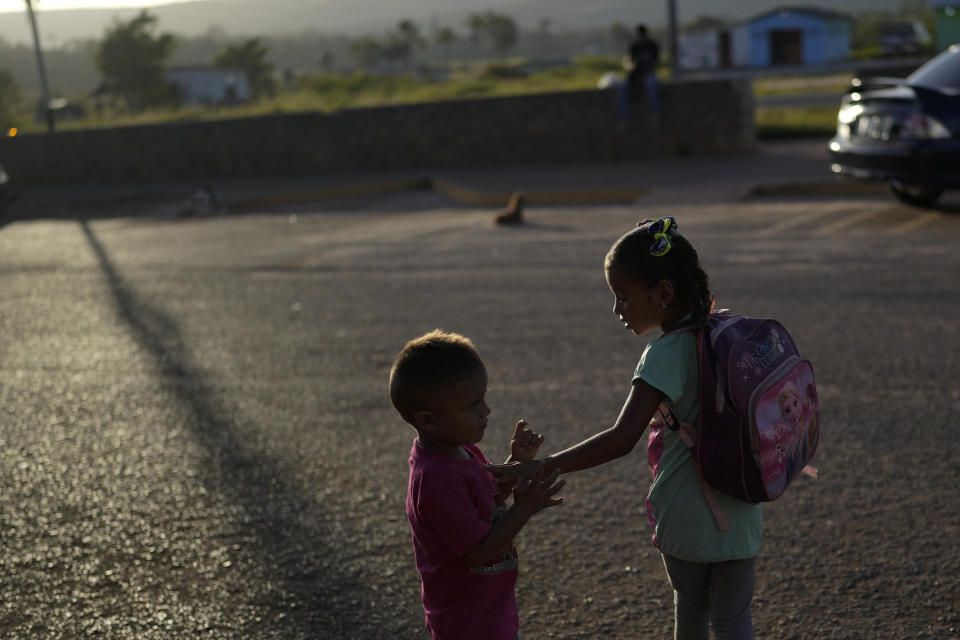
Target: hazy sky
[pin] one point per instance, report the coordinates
(19, 5)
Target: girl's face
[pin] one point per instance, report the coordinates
(637, 305)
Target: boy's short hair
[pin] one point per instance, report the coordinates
(435, 359)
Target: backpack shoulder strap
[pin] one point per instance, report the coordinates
(688, 434)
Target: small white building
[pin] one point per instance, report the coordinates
(207, 86)
(705, 49)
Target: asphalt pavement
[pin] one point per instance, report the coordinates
(198, 443)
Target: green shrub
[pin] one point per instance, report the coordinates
(476, 89)
(867, 52)
(560, 73)
(504, 71)
(598, 64)
(795, 122)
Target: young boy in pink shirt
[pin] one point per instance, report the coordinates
(462, 529)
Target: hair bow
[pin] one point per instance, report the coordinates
(660, 229)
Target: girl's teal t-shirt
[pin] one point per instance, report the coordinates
(676, 507)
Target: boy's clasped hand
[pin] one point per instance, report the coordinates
(535, 490)
(515, 472)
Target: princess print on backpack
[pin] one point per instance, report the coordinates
(787, 422)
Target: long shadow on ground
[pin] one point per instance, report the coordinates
(293, 549)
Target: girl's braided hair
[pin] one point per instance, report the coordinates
(655, 251)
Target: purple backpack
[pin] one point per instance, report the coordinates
(759, 422)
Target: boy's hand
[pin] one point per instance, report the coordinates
(537, 492)
(533, 493)
(508, 474)
(525, 443)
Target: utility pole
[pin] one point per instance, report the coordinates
(674, 43)
(41, 69)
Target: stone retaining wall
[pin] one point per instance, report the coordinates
(698, 118)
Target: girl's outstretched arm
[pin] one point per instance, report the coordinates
(618, 440)
(615, 442)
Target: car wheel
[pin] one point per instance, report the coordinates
(915, 195)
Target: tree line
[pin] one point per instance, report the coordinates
(127, 64)
(132, 58)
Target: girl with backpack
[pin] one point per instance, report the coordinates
(658, 283)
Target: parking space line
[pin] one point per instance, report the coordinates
(794, 220)
(844, 223)
(745, 213)
(920, 221)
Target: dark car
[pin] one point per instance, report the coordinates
(904, 38)
(903, 131)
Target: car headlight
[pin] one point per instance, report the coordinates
(847, 115)
(921, 126)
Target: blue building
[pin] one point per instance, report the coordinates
(791, 36)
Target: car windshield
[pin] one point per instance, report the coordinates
(942, 71)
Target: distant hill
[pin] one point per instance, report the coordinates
(350, 17)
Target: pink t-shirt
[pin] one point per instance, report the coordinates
(451, 505)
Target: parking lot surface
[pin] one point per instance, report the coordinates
(197, 439)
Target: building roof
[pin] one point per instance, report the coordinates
(814, 12)
(709, 26)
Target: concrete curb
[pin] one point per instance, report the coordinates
(311, 195)
(466, 195)
(453, 190)
(495, 198)
(492, 197)
(818, 188)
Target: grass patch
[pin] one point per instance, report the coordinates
(783, 122)
(791, 86)
(332, 92)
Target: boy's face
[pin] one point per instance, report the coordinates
(459, 416)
